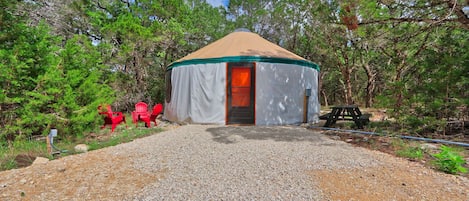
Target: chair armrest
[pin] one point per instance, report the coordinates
(117, 114)
(144, 115)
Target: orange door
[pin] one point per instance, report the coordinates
(241, 85)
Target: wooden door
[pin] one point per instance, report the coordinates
(241, 93)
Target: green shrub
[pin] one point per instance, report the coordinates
(410, 152)
(420, 125)
(449, 161)
(8, 163)
(30, 148)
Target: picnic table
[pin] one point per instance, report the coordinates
(346, 113)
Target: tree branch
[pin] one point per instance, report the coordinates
(61, 118)
(462, 18)
(455, 14)
(392, 19)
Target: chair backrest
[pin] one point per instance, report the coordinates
(157, 109)
(141, 107)
(107, 111)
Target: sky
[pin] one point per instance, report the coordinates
(216, 3)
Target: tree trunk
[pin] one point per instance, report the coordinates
(398, 89)
(370, 85)
(323, 92)
(326, 103)
(347, 73)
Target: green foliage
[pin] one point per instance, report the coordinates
(138, 40)
(123, 137)
(410, 152)
(449, 161)
(30, 146)
(406, 150)
(416, 68)
(8, 163)
(25, 60)
(86, 84)
(45, 86)
(383, 101)
(26, 147)
(421, 124)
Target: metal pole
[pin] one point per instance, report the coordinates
(400, 136)
(305, 105)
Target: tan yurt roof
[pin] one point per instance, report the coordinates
(241, 44)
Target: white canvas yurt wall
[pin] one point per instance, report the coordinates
(280, 93)
(199, 89)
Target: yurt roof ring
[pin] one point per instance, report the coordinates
(244, 59)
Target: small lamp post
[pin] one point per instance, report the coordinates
(50, 139)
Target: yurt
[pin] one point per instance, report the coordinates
(242, 79)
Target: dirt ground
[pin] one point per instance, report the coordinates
(390, 183)
(92, 176)
(99, 175)
(382, 183)
(388, 145)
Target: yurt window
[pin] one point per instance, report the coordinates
(168, 86)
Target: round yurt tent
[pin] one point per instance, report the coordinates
(242, 79)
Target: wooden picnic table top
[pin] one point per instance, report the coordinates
(341, 112)
(345, 106)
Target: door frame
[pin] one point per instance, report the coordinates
(229, 119)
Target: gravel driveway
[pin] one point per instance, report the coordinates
(207, 162)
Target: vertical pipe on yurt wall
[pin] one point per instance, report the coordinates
(305, 105)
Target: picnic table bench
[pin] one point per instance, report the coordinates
(346, 113)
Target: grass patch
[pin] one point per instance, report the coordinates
(8, 163)
(415, 153)
(407, 149)
(16, 154)
(22, 153)
(123, 137)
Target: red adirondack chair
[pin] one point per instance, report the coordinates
(141, 114)
(111, 118)
(157, 109)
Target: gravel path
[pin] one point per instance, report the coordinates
(262, 163)
(207, 162)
